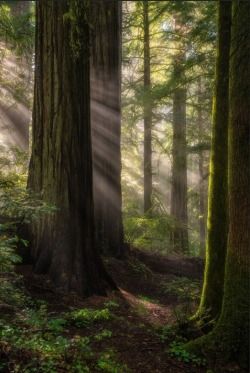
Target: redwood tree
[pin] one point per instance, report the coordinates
(217, 223)
(106, 124)
(229, 339)
(61, 162)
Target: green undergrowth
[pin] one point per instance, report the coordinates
(183, 288)
(172, 336)
(139, 268)
(36, 340)
(148, 232)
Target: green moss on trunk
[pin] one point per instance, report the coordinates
(229, 340)
(217, 223)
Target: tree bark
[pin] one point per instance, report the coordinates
(147, 109)
(179, 153)
(232, 330)
(61, 161)
(229, 340)
(19, 7)
(106, 125)
(202, 207)
(217, 223)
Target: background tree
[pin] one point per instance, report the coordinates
(202, 192)
(197, 40)
(16, 73)
(179, 150)
(147, 111)
(61, 160)
(106, 125)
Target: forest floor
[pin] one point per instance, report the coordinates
(130, 330)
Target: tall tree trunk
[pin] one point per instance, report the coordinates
(232, 330)
(106, 125)
(202, 208)
(61, 161)
(179, 152)
(229, 340)
(147, 108)
(18, 7)
(217, 223)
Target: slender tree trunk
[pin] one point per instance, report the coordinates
(19, 7)
(229, 340)
(147, 108)
(61, 162)
(179, 152)
(217, 223)
(106, 125)
(202, 207)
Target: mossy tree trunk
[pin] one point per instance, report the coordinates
(106, 125)
(229, 340)
(61, 162)
(147, 115)
(179, 151)
(217, 223)
(232, 330)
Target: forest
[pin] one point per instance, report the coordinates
(124, 186)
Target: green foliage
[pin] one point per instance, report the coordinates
(105, 333)
(140, 268)
(86, 316)
(51, 347)
(198, 38)
(17, 30)
(111, 304)
(18, 206)
(8, 256)
(148, 299)
(177, 350)
(57, 325)
(166, 333)
(108, 363)
(151, 233)
(41, 338)
(12, 295)
(184, 288)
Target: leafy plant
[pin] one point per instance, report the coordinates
(184, 288)
(57, 324)
(166, 333)
(108, 363)
(150, 233)
(140, 268)
(105, 333)
(17, 30)
(177, 350)
(86, 316)
(111, 304)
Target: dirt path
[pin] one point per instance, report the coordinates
(142, 309)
